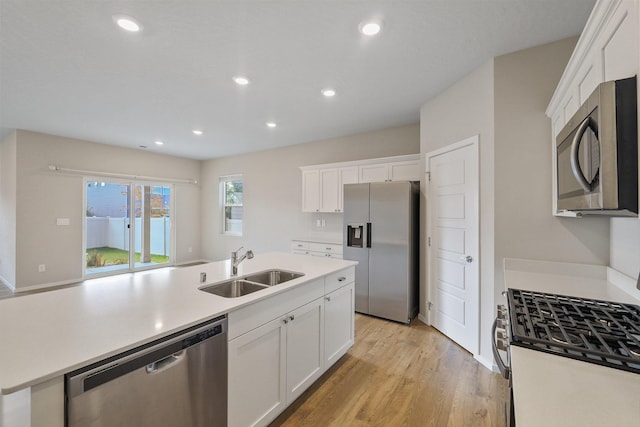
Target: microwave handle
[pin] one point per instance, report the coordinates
(575, 161)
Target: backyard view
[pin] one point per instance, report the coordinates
(109, 209)
(100, 257)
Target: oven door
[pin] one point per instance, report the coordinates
(578, 166)
(499, 343)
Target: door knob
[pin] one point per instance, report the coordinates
(467, 258)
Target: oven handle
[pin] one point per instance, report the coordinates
(575, 161)
(504, 369)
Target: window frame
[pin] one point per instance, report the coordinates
(223, 203)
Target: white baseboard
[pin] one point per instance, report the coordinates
(46, 285)
(487, 363)
(423, 319)
(7, 284)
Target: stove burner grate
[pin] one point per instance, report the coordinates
(601, 332)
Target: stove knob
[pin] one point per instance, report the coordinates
(502, 345)
(502, 335)
(502, 323)
(502, 312)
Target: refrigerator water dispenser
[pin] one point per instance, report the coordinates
(355, 235)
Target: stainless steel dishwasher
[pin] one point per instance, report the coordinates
(180, 380)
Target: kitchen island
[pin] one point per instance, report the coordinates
(49, 334)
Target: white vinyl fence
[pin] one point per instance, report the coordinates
(113, 233)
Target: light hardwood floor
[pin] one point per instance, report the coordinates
(397, 375)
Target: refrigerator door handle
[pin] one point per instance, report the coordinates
(368, 234)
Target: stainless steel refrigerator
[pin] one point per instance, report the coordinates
(381, 233)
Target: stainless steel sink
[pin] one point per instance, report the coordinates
(254, 282)
(273, 277)
(234, 288)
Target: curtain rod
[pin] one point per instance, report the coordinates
(56, 168)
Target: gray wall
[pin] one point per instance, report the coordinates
(504, 102)
(7, 211)
(273, 189)
(43, 195)
(525, 228)
(625, 245)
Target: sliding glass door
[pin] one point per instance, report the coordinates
(127, 226)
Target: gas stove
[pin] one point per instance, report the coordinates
(600, 332)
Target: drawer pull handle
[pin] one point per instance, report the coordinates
(328, 298)
(328, 249)
(342, 279)
(291, 317)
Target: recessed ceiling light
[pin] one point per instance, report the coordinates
(127, 23)
(271, 124)
(370, 28)
(197, 132)
(159, 143)
(328, 92)
(241, 80)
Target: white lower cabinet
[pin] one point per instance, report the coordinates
(257, 366)
(305, 337)
(279, 346)
(270, 366)
(338, 323)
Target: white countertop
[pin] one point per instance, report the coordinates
(580, 280)
(548, 389)
(48, 334)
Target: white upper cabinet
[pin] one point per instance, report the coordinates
(323, 185)
(394, 171)
(347, 175)
(374, 173)
(329, 181)
(606, 50)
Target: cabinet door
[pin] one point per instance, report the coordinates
(311, 190)
(329, 190)
(257, 364)
(338, 324)
(305, 338)
(348, 175)
(373, 173)
(619, 52)
(404, 171)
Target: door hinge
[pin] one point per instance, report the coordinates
(429, 176)
(429, 305)
(429, 241)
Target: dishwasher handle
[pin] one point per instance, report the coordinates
(166, 363)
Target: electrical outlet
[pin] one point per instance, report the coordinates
(42, 268)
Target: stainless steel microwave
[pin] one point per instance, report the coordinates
(597, 153)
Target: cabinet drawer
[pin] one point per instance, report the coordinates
(300, 252)
(251, 316)
(299, 245)
(338, 279)
(328, 248)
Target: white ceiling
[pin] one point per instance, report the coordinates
(66, 69)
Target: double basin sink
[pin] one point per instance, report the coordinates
(238, 287)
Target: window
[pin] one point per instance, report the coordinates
(231, 190)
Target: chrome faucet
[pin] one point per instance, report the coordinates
(235, 261)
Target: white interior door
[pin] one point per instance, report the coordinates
(452, 252)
